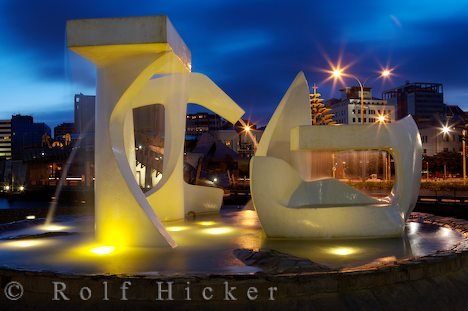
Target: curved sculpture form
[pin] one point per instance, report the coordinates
(172, 198)
(128, 53)
(290, 207)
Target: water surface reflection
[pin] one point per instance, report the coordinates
(205, 245)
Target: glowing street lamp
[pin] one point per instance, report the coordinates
(337, 73)
(381, 119)
(464, 153)
(386, 73)
(445, 130)
(247, 129)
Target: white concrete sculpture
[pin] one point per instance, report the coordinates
(290, 207)
(143, 61)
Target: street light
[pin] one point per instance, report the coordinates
(381, 119)
(386, 73)
(445, 130)
(464, 153)
(338, 73)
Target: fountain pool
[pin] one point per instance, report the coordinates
(205, 246)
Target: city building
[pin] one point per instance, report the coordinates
(63, 129)
(201, 122)
(5, 139)
(85, 106)
(347, 109)
(434, 140)
(64, 133)
(149, 127)
(27, 138)
(424, 101)
(149, 123)
(240, 139)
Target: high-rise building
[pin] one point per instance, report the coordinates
(85, 119)
(424, 101)
(5, 139)
(27, 136)
(347, 110)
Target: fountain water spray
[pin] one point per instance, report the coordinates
(63, 178)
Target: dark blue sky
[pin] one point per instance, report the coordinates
(252, 49)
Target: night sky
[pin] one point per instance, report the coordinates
(251, 49)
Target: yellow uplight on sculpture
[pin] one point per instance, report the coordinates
(218, 230)
(103, 250)
(342, 251)
(206, 223)
(177, 228)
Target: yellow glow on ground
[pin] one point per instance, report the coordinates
(177, 228)
(342, 251)
(206, 223)
(218, 230)
(90, 251)
(102, 250)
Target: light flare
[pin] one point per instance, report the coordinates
(445, 129)
(386, 73)
(248, 131)
(381, 118)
